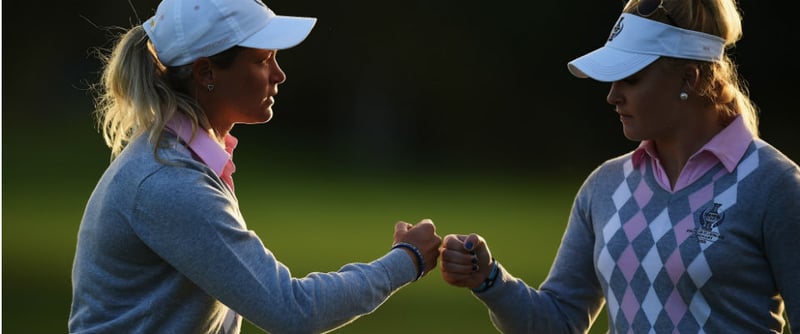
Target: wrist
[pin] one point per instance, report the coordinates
(416, 254)
(490, 280)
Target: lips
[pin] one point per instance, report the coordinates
(624, 118)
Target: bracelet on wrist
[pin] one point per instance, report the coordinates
(490, 280)
(417, 253)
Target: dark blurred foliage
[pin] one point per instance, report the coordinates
(419, 84)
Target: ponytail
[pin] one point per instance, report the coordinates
(134, 98)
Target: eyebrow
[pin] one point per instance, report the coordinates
(267, 53)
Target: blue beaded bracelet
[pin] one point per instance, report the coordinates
(489, 282)
(420, 260)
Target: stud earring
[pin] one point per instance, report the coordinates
(210, 87)
(684, 96)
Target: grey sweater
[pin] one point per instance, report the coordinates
(719, 256)
(163, 248)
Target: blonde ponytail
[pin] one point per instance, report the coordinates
(133, 97)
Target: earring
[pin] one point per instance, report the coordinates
(210, 87)
(684, 96)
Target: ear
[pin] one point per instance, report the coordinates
(691, 75)
(202, 72)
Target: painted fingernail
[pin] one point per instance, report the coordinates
(475, 267)
(468, 245)
(474, 259)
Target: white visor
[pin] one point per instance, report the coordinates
(184, 30)
(281, 32)
(636, 42)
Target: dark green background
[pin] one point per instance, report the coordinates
(461, 111)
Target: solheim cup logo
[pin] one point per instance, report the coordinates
(709, 220)
(616, 30)
(711, 217)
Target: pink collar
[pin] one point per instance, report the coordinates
(727, 147)
(203, 145)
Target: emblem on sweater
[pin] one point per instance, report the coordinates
(709, 220)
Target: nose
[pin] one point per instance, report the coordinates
(613, 97)
(278, 76)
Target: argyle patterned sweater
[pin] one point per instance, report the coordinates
(718, 256)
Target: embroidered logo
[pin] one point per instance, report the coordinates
(616, 30)
(709, 220)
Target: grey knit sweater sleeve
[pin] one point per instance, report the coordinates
(163, 248)
(569, 299)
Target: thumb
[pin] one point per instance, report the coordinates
(401, 226)
(473, 242)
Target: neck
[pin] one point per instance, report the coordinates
(219, 128)
(219, 133)
(675, 151)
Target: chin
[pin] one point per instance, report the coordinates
(631, 135)
(263, 118)
(260, 120)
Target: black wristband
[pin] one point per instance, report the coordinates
(420, 261)
(489, 282)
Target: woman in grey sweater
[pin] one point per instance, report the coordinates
(162, 246)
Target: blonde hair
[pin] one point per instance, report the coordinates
(720, 81)
(138, 95)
